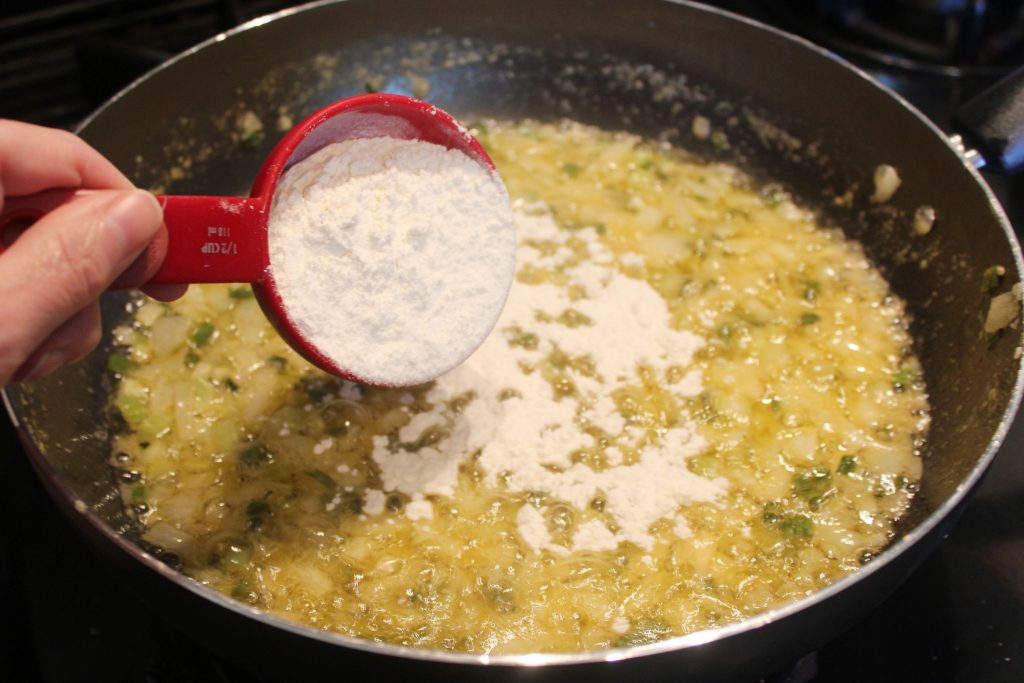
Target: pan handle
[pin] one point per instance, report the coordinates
(993, 123)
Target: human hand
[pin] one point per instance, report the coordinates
(51, 277)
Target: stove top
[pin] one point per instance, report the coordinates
(960, 617)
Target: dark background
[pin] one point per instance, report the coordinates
(959, 618)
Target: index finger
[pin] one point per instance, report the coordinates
(34, 158)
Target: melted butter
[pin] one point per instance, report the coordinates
(254, 467)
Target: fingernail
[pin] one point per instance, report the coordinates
(134, 219)
(45, 364)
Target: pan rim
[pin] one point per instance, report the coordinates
(46, 470)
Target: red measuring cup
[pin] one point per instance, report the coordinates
(224, 239)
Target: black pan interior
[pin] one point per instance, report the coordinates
(791, 117)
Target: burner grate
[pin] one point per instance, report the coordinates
(61, 61)
(940, 37)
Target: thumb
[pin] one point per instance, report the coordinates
(65, 261)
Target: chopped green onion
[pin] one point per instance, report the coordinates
(527, 340)
(203, 333)
(502, 596)
(992, 278)
(119, 363)
(774, 197)
(572, 170)
(257, 512)
(236, 553)
(430, 436)
(191, 358)
(242, 591)
(811, 290)
(351, 502)
(847, 464)
(243, 292)
(322, 477)
(253, 138)
(572, 318)
(705, 466)
(651, 166)
(809, 318)
(797, 526)
(255, 454)
(772, 513)
(719, 141)
(138, 493)
(902, 378)
(812, 483)
(318, 387)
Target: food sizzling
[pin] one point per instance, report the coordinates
(698, 405)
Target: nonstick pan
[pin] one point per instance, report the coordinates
(793, 115)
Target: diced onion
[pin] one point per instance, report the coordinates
(887, 181)
(1004, 309)
(701, 127)
(924, 219)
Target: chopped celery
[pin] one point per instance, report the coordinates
(237, 553)
(706, 465)
(133, 409)
(119, 363)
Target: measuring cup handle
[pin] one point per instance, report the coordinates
(210, 239)
(213, 239)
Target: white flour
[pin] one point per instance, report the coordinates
(393, 257)
(523, 436)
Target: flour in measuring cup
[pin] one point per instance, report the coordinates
(393, 257)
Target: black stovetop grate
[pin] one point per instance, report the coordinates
(60, 60)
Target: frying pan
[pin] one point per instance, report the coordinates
(793, 115)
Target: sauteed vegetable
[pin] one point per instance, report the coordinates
(698, 405)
